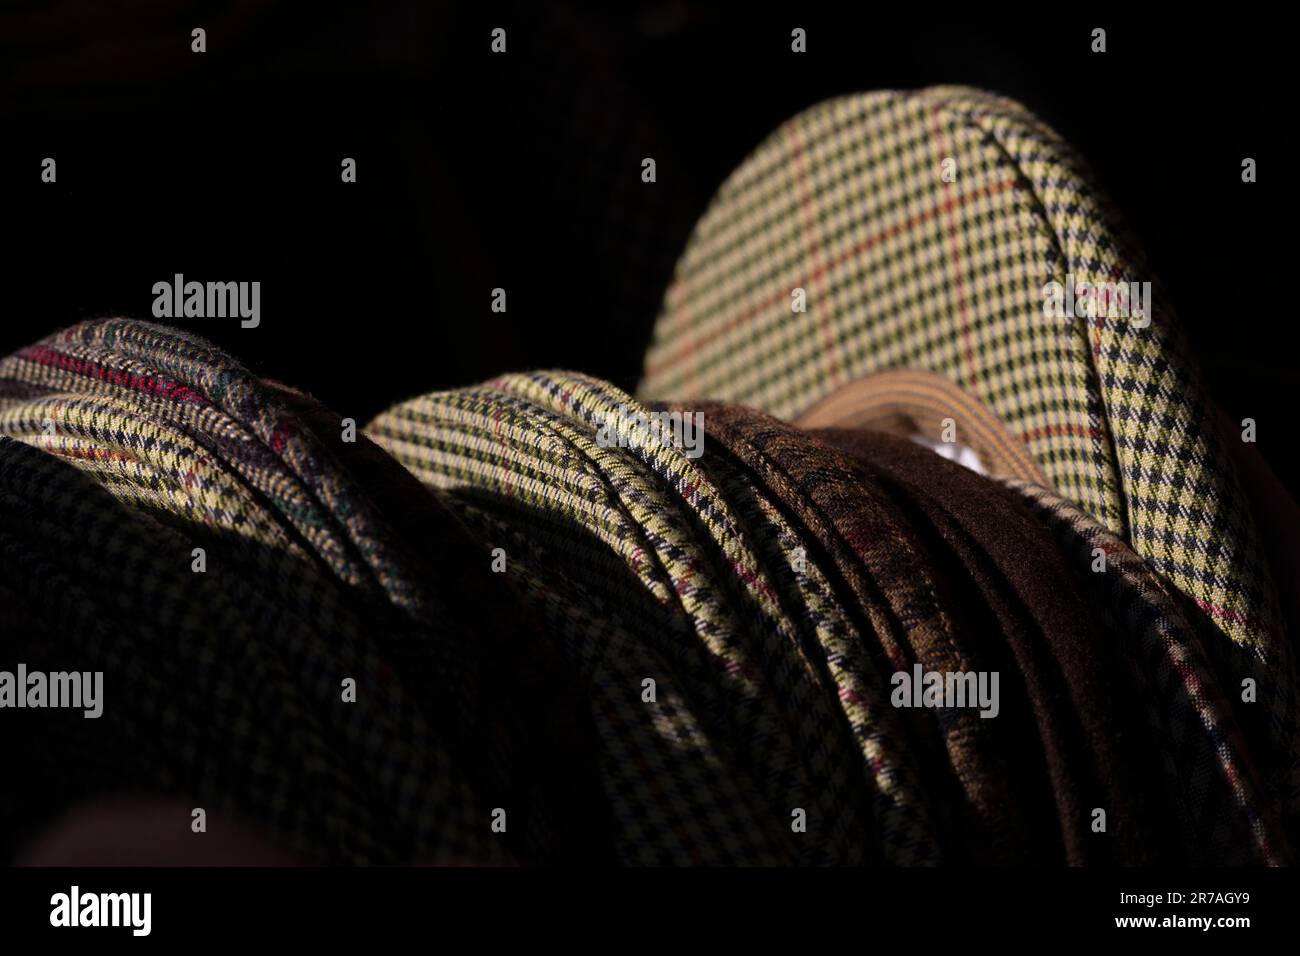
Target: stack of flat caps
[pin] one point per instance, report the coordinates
(217, 548)
(924, 230)
(745, 618)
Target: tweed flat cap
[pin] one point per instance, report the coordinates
(903, 269)
(921, 232)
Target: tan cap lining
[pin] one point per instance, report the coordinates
(914, 401)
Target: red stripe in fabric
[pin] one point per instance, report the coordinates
(752, 579)
(963, 312)
(282, 433)
(1222, 613)
(507, 475)
(686, 348)
(1237, 762)
(814, 248)
(159, 387)
(88, 454)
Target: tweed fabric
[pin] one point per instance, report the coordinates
(1063, 740)
(1278, 518)
(1137, 645)
(901, 606)
(646, 571)
(123, 446)
(907, 402)
(654, 564)
(903, 269)
(1234, 810)
(190, 673)
(128, 446)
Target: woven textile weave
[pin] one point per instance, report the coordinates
(1227, 812)
(646, 572)
(130, 445)
(911, 262)
(685, 651)
(656, 565)
(1137, 660)
(903, 269)
(1010, 772)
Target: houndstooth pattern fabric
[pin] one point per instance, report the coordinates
(124, 446)
(903, 269)
(1227, 811)
(521, 461)
(771, 680)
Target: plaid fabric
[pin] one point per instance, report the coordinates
(124, 445)
(1112, 641)
(904, 270)
(1228, 816)
(127, 446)
(1026, 619)
(893, 596)
(646, 571)
(772, 676)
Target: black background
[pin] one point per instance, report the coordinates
(523, 171)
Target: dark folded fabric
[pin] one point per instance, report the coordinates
(1118, 662)
(1228, 813)
(563, 616)
(1089, 719)
(132, 445)
(984, 777)
(809, 277)
(979, 586)
(647, 574)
